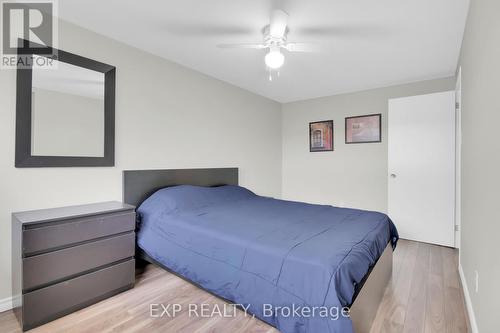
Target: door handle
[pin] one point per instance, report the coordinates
(393, 175)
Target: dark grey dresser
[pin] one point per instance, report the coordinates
(64, 259)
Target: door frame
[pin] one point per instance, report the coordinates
(458, 158)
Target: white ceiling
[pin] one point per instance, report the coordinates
(363, 43)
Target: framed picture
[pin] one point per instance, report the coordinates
(363, 129)
(321, 136)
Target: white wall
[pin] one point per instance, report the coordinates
(353, 175)
(167, 116)
(480, 62)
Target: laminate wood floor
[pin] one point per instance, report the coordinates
(424, 295)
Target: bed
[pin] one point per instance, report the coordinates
(294, 265)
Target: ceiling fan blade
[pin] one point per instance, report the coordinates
(301, 47)
(277, 26)
(199, 29)
(365, 31)
(241, 46)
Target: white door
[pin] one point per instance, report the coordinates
(421, 143)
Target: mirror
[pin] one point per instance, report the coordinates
(65, 113)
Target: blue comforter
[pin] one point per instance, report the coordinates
(269, 255)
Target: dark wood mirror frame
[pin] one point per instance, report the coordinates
(24, 158)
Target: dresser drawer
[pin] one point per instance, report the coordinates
(43, 305)
(50, 267)
(62, 233)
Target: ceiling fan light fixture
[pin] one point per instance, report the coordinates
(274, 59)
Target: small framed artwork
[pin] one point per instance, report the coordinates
(321, 136)
(363, 129)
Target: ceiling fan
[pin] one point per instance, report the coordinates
(275, 39)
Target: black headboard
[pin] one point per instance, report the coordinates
(138, 185)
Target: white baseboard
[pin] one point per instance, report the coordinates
(5, 304)
(468, 301)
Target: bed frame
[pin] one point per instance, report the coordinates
(140, 184)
